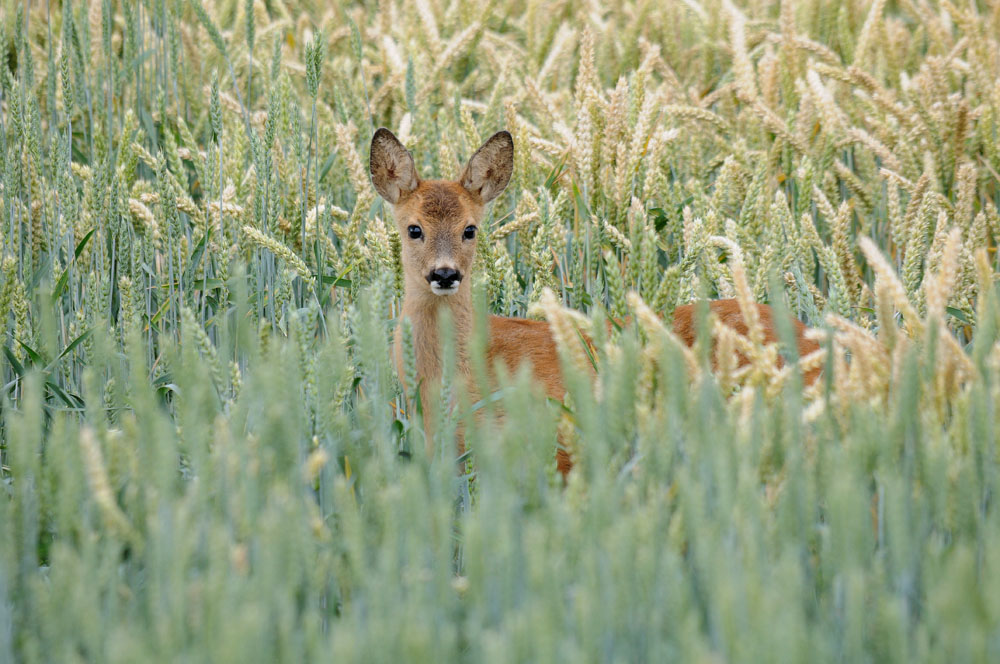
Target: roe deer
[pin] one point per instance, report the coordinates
(438, 223)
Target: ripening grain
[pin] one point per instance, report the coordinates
(205, 450)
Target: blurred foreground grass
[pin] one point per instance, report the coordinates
(205, 456)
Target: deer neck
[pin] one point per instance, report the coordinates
(425, 311)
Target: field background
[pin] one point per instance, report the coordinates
(205, 453)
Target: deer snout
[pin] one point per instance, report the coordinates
(444, 278)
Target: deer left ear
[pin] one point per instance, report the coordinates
(489, 170)
(393, 172)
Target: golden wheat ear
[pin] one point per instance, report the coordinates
(393, 173)
(489, 170)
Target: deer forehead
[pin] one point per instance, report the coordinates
(439, 204)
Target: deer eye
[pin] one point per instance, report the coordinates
(415, 232)
(470, 232)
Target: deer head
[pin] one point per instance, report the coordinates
(439, 220)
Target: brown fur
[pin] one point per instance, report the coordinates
(391, 166)
(443, 210)
(728, 312)
(441, 202)
(489, 170)
(516, 340)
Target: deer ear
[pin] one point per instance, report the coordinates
(490, 168)
(391, 166)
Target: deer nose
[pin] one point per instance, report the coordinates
(444, 277)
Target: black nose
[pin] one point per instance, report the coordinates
(444, 277)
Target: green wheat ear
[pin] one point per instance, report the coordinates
(203, 451)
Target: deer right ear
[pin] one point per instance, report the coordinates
(489, 170)
(393, 172)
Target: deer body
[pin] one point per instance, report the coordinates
(511, 341)
(438, 222)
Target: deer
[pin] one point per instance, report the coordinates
(438, 223)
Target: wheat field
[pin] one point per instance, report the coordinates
(206, 455)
